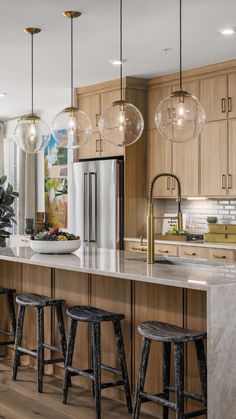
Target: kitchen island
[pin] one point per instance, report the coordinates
(195, 294)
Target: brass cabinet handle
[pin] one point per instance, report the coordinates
(173, 184)
(163, 251)
(223, 107)
(101, 148)
(190, 254)
(97, 146)
(219, 257)
(168, 183)
(223, 183)
(229, 104)
(229, 181)
(97, 117)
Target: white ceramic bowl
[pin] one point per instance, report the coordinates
(63, 246)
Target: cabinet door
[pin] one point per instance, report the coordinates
(232, 95)
(91, 149)
(213, 172)
(159, 160)
(91, 106)
(153, 99)
(231, 179)
(108, 150)
(213, 96)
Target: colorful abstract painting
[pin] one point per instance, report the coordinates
(56, 172)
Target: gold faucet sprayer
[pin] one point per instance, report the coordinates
(151, 218)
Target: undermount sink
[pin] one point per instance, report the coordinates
(170, 260)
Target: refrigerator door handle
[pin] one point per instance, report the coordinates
(92, 206)
(86, 208)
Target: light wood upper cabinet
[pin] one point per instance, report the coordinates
(159, 160)
(91, 106)
(154, 98)
(232, 95)
(92, 148)
(213, 97)
(231, 177)
(214, 154)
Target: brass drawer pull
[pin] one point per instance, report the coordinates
(223, 108)
(101, 148)
(190, 253)
(173, 184)
(97, 117)
(168, 183)
(229, 104)
(219, 257)
(223, 182)
(163, 251)
(97, 146)
(229, 181)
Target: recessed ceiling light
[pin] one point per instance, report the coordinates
(117, 62)
(2, 94)
(227, 31)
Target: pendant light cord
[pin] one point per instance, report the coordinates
(180, 46)
(32, 73)
(72, 62)
(121, 49)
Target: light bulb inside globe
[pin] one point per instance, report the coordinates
(32, 134)
(71, 128)
(180, 117)
(121, 124)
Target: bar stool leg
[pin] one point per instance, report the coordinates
(91, 355)
(11, 308)
(40, 358)
(97, 367)
(141, 376)
(201, 359)
(122, 362)
(166, 376)
(61, 327)
(179, 377)
(18, 339)
(69, 357)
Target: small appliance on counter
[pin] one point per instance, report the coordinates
(95, 204)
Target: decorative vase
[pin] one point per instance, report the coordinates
(29, 226)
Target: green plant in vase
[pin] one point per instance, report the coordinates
(212, 220)
(7, 214)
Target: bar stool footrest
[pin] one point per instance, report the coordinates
(187, 394)
(195, 413)
(52, 348)
(6, 342)
(6, 333)
(157, 398)
(113, 384)
(83, 373)
(25, 351)
(53, 361)
(111, 369)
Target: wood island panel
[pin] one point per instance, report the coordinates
(113, 294)
(161, 303)
(73, 287)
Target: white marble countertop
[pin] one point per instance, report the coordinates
(197, 243)
(178, 272)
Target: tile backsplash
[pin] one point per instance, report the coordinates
(198, 211)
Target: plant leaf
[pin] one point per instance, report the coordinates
(3, 180)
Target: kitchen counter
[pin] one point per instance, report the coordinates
(115, 272)
(193, 243)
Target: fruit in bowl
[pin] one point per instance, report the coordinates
(54, 240)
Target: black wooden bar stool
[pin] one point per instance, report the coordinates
(39, 302)
(167, 334)
(95, 316)
(9, 293)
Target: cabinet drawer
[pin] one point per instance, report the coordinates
(221, 254)
(134, 246)
(193, 252)
(163, 249)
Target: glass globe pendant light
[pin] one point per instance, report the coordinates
(32, 134)
(122, 123)
(71, 127)
(180, 117)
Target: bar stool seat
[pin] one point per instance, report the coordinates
(36, 300)
(165, 332)
(95, 316)
(9, 292)
(39, 302)
(168, 334)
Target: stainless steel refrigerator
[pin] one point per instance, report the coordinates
(95, 208)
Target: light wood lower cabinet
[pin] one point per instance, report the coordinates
(219, 255)
(166, 250)
(193, 252)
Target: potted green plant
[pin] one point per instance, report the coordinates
(212, 220)
(7, 214)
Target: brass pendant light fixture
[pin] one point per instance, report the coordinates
(32, 134)
(71, 127)
(180, 117)
(122, 123)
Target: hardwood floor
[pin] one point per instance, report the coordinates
(20, 400)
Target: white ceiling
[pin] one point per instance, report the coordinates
(149, 26)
